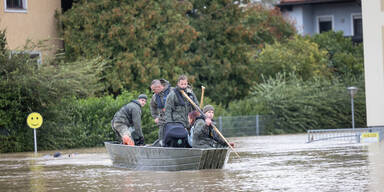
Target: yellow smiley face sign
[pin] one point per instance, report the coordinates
(34, 120)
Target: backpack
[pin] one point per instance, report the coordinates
(175, 135)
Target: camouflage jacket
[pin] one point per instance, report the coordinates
(177, 106)
(130, 115)
(204, 136)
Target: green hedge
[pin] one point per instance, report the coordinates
(76, 123)
(291, 104)
(27, 86)
(87, 122)
(294, 105)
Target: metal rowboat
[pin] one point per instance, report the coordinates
(166, 158)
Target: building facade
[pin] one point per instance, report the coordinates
(317, 16)
(373, 20)
(31, 20)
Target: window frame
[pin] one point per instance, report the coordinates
(32, 54)
(324, 16)
(353, 15)
(13, 10)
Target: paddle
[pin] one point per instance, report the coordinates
(214, 127)
(202, 96)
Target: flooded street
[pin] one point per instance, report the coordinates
(267, 163)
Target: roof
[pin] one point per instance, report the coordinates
(308, 2)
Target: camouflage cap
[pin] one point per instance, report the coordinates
(208, 108)
(143, 96)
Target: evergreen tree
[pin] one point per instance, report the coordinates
(141, 39)
(230, 35)
(212, 41)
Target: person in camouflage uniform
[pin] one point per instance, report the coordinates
(161, 89)
(177, 106)
(126, 123)
(202, 134)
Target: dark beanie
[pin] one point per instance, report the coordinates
(208, 108)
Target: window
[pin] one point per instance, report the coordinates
(325, 23)
(357, 24)
(15, 5)
(35, 56)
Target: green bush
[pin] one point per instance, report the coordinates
(75, 123)
(345, 58)
(298, 55)
(87, 122)
(27, 86)
(294, 105)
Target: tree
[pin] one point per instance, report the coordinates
(141, 40)
(298, 55)
(345, 57)
(229, 36)
(211, 41)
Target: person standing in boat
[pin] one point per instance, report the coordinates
(126, 123)
(160, 89)
(177, 106)
(202, 134)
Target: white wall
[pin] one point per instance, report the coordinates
(296, 16)
(307, 20)
(341, 14)
(305, 17)
(373, 35)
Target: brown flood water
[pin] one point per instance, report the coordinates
(267, 163)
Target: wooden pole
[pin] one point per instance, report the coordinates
(214, 127)
(202, 97)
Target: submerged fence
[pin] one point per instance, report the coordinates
(253, 125)
(233, 126)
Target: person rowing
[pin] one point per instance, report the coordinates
(202, 134)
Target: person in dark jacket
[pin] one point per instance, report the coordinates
(177, 106)
(161, 89)
(202, 134)
(127, 122)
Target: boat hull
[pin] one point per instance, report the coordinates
(166, 158)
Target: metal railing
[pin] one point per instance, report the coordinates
(254, 125)
(347, 134)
